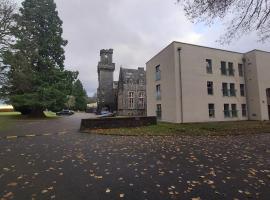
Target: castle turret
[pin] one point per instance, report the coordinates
(105, 93)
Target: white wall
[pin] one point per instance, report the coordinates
(167, 82)
(194, 83)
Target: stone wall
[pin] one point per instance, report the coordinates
(129, 112)
(132, 80)
(105, 92)
(121, 122)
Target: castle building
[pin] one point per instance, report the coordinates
(191, 83)
(105, 91)
(131, 95)
(127, 96)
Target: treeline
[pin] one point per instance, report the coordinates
(32, 72)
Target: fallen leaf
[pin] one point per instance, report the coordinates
(12, 184)
(122, 195)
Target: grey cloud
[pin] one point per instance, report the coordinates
(135, 29)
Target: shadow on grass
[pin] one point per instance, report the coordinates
(192, 129)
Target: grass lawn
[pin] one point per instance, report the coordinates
(4, 123)
(208, 129)
(50, 114)
(10, 113)
(8, 118)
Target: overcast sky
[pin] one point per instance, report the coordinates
(135, 29)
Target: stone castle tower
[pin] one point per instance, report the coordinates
(105, 93)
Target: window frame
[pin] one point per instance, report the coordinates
(131, 100)
(227, 113)
(230, 69)
(211, 110)
(232, 90)
(158, 92)
(225, 90)
(141, 98)
(209, 66)
(240, 70)
(242, 90)
(223, 68)
(244, 110)
(159, 111)
(210, 87)
(234, 111)
(158, 73)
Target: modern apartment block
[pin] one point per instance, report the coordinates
(190, 83)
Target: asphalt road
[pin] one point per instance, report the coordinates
(64, 124)
(68, 165)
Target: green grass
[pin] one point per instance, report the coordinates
(195, 129)
(50, 114)
(4, 124)
(7, 119)
(10, 113)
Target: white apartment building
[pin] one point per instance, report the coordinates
(190, 83)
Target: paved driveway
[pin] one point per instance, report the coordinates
(64, 124)
(73, 165)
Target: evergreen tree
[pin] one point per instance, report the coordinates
(80, 96)
(37, 79)
(7, 11)
(70, 104)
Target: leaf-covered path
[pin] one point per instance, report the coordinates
(73, 165)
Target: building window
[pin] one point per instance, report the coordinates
(141, 82)
(209, 66)
(231, 70)
(158, 73)
(234, 110)
(130, 100)
(158, 92)
(242, 90)
(223, 68)
(141, 99)
(225, 89)
(240, 70)
(159, 111)
(130, 82)
(244, 110)
(232, 90)
(210, 88)
(226, 110)
(211, 110)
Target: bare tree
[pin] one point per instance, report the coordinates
(7, 10)
(245, 16)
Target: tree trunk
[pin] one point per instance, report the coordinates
(37, 113)
(23, 109)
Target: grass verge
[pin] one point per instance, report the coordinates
(7, 119)
(50, 114)
(10, 113)
(4, 123)
(193, 129)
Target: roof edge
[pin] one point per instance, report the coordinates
(257, 50)
(160, 52)
(208, 47)
(203, 47)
